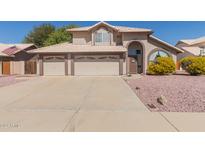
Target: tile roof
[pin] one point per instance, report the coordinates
(118, 28)
(3, 55)
(68, 47)
(194, 41)
(11, 49)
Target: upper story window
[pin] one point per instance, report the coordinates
(102, 36)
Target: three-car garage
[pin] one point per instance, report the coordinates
(82, 65)
(81, 60)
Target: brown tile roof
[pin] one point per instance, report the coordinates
(3, 55)
(68, 47)
(11, 49)
(2, 48)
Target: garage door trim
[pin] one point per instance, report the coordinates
(52, 60)
(101, 62)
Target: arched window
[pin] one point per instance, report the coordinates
(158, 53)
(102, 36)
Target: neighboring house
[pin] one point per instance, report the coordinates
(191, 47)
(103, 49)
(14, 59)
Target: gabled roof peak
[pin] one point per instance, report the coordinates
(103, 23)
(116, 28)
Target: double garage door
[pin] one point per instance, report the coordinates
(83, 65)
(96, 65)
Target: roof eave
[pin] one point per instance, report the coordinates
(167, 44)
(149, 32)
(72, 30)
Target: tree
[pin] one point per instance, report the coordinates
(39, 34)
(60, 36)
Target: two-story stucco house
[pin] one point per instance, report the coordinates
(103, 49)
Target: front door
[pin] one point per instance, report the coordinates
(6, 67)
(133, 65)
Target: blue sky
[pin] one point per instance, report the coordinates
(170, 31)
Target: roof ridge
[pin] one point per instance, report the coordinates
(116, 27)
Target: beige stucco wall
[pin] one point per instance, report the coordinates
(17, 67)
(87, 38)
(147, 45)
(37, 67)
(0, 67)
(143, 38)
(81, 38)
(124, 68)
(69, 66)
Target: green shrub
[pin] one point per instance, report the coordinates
(185, 62)
(162, 66)
(194, 65)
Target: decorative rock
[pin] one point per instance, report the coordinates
(162, 100)
(152, 106)
(183, 93)
(137, 88)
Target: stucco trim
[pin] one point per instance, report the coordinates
(156, 49)
(66, 65)
(143, 54)
(152, 39)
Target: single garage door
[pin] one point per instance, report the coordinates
(96, 65)
(54, 65)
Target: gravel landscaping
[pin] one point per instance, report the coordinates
(182, 93)
(9, 80)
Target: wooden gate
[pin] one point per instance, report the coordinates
(30, 67)
(6, 67)
(178, 65)
(133, 65)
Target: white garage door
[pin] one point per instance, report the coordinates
(54, 66)
(96, 65)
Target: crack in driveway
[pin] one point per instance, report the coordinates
(71, 121)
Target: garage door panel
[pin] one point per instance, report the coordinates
(96, 68)
(54, 68)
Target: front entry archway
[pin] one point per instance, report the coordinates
(135, 57)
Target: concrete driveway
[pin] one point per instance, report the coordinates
(76, 104)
